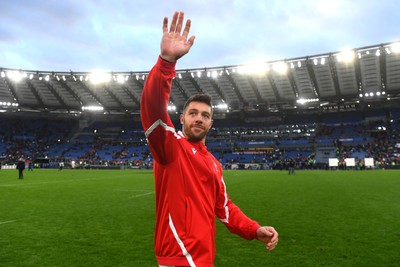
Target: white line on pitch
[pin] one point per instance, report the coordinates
(58, 181)
(130, 190)
(7, 222)
(141, 195)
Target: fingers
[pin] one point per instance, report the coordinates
(268, 235)
(271, 245)
(177, 21)
(274, 240)
(191, 40)
(273, 233)
(165, 25)
(176, 24)
(173, 22)
(180, 22)
(187, 28)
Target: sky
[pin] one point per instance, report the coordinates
(124, 35)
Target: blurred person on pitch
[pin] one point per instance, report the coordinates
(189, 185)
(21, 167)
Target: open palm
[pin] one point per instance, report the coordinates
(175, 44)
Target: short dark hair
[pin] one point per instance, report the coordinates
(202, 98)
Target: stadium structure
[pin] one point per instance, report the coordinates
(298, 112)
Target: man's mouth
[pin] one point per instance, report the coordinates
(198, 127)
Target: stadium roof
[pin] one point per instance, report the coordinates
(363, 75)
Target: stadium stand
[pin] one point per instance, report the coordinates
(319, 108)
(121, 143)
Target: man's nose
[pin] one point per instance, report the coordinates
(199, 118)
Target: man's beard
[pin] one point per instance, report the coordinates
(192, 135)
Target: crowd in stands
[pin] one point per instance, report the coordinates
(121, 142)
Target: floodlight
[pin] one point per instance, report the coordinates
(395, 47)
(256, 68)
(221, 106)
(299, 64)
(171, 108)
(280, 67)
(301, 101)
(120, 79)
(99, 77)
(346, 56)
(14, 75)
(92, 108)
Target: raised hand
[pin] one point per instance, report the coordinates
(175, 44)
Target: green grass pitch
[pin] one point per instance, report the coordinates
(106, 218)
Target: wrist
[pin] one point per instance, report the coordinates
(167, 59)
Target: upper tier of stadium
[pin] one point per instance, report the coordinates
(350, 80)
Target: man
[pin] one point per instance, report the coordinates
(190, 189)
(21, 168)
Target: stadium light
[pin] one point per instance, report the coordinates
(171, 108)
(99, 77)
(222, 106)
(120, 79)
(395, 47)
(92, 108)
(14, 75)
(253, 69)
(303, 101)
(346, 56)
(280, 67)
(8, 104)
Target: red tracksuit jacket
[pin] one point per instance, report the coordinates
(189, 186)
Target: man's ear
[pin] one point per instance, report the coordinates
(181, 118)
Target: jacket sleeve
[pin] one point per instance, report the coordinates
(157, 125)
(233, 218)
